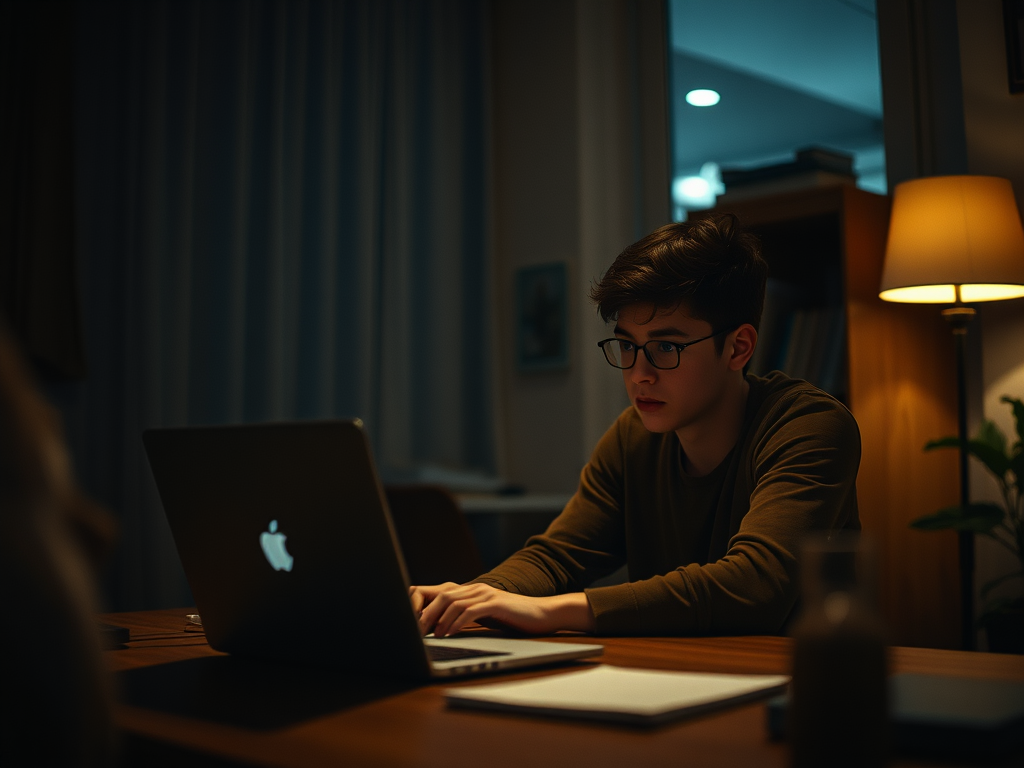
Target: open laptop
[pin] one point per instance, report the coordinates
(285, 538)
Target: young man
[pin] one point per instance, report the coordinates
(704, 488)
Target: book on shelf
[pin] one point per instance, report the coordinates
(780, 299)
(811, 167)
(806, 343)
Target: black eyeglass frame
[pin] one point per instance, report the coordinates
(636, 347)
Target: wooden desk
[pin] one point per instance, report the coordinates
(414, 728)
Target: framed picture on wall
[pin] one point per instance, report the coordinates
(542, 318)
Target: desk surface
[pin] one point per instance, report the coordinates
(414, 728)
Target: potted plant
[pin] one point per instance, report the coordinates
(1003, 619)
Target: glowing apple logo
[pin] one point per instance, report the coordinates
(273, 547)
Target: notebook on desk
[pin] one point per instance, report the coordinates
(287, 544)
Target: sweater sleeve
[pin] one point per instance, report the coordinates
(803, 466)
(584, 543)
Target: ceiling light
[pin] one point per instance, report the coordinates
(698, 192)
(703, 97)
(693, 187)
(692, 193)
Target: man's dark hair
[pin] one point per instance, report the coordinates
(712, 265)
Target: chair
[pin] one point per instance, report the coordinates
(435, 538)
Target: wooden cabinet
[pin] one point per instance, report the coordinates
(898, 380)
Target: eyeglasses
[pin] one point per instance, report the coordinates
(664, 355)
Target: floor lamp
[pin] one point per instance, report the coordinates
(955, 240)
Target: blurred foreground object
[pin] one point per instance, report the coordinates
(839, 711)
(56, 689)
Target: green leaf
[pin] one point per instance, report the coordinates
(942, 442)
(979, 518)
(1017, 467)
(996, 461)
(982, 448)
(992, 436)
(989, 586)
(1018, 415)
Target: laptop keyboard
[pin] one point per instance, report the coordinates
(453, 653)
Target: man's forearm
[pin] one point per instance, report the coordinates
(570, 611)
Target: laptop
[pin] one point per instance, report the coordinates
(287, 544)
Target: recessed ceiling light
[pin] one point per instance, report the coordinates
(703, 97)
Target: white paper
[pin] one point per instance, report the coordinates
(636, 694)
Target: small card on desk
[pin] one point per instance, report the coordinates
(618, 694)
(950, 717)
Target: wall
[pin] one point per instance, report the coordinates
(581, 170)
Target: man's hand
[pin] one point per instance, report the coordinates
(448, 608)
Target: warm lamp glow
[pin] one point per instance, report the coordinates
(949, 231)
(946, 294)
(983, 292)
(921, 294)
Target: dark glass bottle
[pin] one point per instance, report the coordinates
(838, 714)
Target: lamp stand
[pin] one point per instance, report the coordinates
(959, 317)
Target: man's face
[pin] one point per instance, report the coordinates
(674, 399)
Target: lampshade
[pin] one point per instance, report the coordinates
(950, 231)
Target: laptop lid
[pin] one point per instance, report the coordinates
(285, 538)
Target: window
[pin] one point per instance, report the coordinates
(790, 75)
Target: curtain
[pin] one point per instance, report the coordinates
(282, 214)
(38, 279)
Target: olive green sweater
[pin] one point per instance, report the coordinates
(708, 555)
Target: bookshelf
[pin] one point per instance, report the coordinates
(891, 364)
(803, 327)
